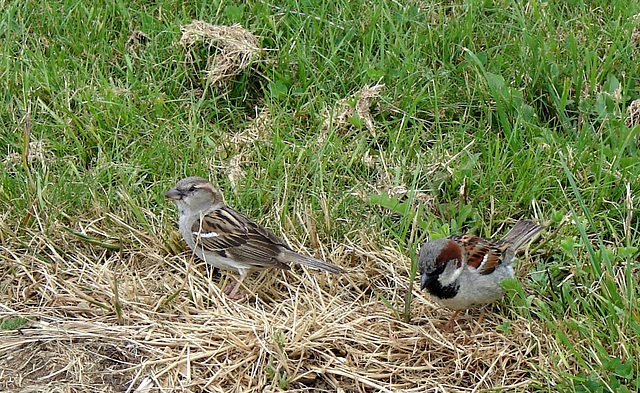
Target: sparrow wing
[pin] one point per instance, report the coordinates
(484, 255)
(230, 234)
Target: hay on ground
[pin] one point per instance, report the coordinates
(340, 116)
(37, 151)
(233, 49)
(136, 40)
(633, 114)
(119, 314)
(242, 147)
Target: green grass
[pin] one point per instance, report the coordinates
(536, 91)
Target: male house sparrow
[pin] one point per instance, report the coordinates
(463, 270)
(227, 239)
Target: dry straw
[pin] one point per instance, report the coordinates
(259, 129)
(339, 117)
(233, 49)
(633, 114)
(114, 315)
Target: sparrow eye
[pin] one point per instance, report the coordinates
(192, 189)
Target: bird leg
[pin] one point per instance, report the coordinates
(479, 320)
(450, 325)
(481, 315)
(232, 291)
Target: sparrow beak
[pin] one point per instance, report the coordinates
(173, 194)
(426, 279)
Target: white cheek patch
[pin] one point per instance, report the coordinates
(450, 274)
(206, 234)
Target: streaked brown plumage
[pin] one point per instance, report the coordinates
(225, 238)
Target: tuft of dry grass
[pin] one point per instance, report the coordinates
(635, 34)
(136, 40)
(633, 114)
(340, 116)
(243, 143)
(233, 48)
(259, 129)
(37, 151)
(138, 319)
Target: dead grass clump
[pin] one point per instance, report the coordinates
(242, 145)
(341, 115)
(136, 40)
(635, 34)
(258, 129)
(234, 170)
(37, 151)
(232, 49)
(635, 37)
(402, 193)
(633, 114)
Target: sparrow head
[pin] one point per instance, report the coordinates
(440, 258)
(195, 194)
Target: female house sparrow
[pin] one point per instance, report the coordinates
(463, 270)
(225, 238)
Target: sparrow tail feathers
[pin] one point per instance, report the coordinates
(522, 232)
(313, 262)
